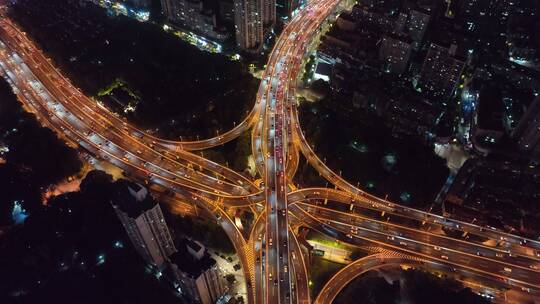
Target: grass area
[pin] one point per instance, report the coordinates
(233, 154)
(409, 286)
(404, 167)
(118, 84)
(180, 90)
(307, 176)
(329, 243)
(324, 240)
(320, 272)
(308, 70)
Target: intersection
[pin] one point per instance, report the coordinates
(273, 262)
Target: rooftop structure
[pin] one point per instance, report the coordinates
(440, 72)
(527, 131)
(196, 274)
(248, 23)
(143, 220)
(394, 55)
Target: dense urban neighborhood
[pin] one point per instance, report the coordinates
(270, 151)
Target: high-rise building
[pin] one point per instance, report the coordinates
(167, 7)
(269, 13)
(527, 132)
(143, 221)
(374, 20)
(394, 55)
(226, 10)
(284, 8)
(191, 15)
(440, 72)
(196, 274)
(401, 21)
(248, 23)
(138, 4)
(417, 26)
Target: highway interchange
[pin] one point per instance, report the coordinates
(275, 268)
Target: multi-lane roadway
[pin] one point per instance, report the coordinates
(273, 263)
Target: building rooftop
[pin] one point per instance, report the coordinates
(187, 263)
(324, 68)
(196, 247)
(127, 202)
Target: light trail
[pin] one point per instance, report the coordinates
(276, 141)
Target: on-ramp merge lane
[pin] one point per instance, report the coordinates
(273, 141)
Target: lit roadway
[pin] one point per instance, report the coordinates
(354, 229)
(273, 263)
(372, 262)
(272, 139)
